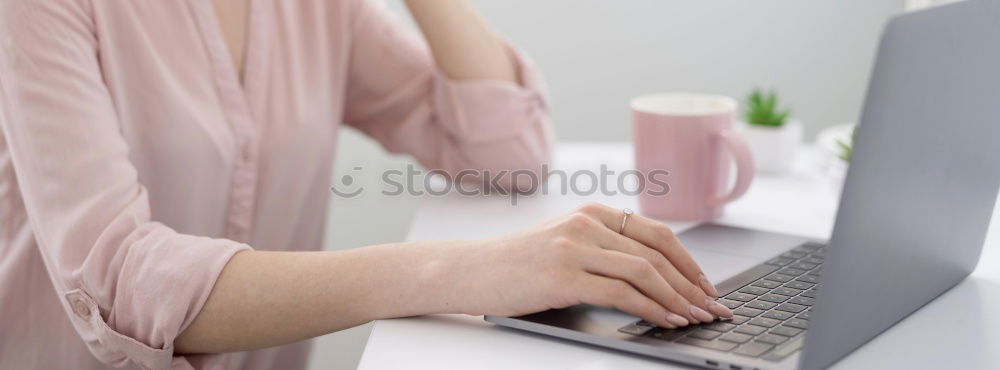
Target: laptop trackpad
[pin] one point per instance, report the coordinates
(724, 251)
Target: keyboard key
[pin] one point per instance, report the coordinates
(761, 305)
(805, 301)
(777, 315)
(729, 303)
(780, 278)
(808, 278)
(704, 334)
(799, 285)
(814, 259)
(765, 322)
(736, 337)
(754, 349)
(720, 326)
(780, 261)
(750, 329)
(804, 266)
(810, 247)
(746, 311)
(791, 272)
(635, 329)
(776, 298)
(754, 290)
(742, 297)
(785, 349)
(786, 291)
(771, 339)
(811, 293)
(797, 323)
(791, 307)
(804, 316)
(786, 331)
(738, 319)
(766, 284)
(668, 334)
(793, 254)
(714, 344)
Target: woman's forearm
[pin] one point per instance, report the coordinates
(264, 299)
(463, 45)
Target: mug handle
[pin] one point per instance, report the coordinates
(744, 165)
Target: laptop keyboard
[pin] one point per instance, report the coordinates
(771, 313)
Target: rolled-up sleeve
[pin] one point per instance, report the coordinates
(397, 95)
(128, 284)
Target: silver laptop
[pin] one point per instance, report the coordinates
(912, 221)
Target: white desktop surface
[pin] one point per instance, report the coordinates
(954, 331)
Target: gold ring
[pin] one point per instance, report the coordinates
(627, 212)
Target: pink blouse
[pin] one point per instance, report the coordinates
(134, 163)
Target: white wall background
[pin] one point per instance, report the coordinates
(597, 54)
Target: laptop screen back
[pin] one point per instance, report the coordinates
(923, 180)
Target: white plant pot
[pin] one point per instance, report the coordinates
(774, 148)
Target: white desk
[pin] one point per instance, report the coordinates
(955, 331)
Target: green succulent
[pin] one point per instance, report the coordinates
(847, 146)
(762, 109)
(846, 149)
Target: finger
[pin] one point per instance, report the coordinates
(607, 239)
(657, 236)
(640, 274)
(617, 294)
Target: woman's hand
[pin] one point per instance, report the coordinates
(264, 299)
(581, 258)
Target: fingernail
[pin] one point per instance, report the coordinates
(718, 309)
(707, 286)
(677, 320)
(701, 315)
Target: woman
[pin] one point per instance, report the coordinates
(164, 169)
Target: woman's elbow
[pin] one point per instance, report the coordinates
(518, 166)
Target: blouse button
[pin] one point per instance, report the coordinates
(81, 309)
(247, 152)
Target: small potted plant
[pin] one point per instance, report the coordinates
(837, 142)
(773, 136)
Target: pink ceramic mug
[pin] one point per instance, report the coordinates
(690, 136)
